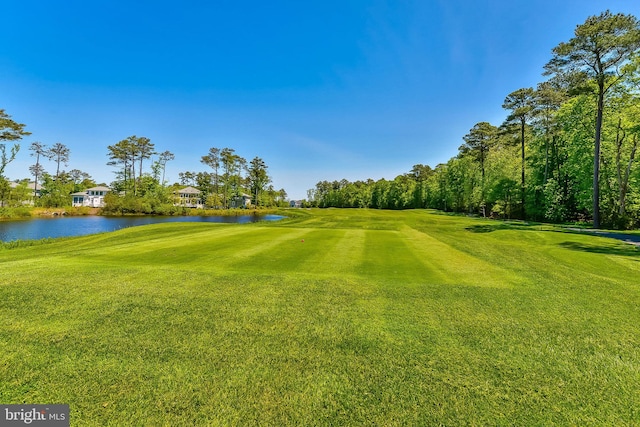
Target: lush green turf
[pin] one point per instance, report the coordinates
(334, 317)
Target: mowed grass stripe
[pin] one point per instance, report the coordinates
(453, 266)
(353, 326)
(295, 252)
(184, 245)
(387, 256)
(536, 257)
(341, 254)
(261, 248)
(158, 244)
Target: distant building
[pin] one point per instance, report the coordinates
(295, 204)
(31, 194)
(91, 197)
(188, 197)
(241, 201)
(31, 185)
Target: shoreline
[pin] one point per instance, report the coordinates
(13, 214)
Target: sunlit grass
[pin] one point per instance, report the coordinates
(334, 317)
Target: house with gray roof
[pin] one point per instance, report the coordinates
(30, 192)
(188, 197)
(91, 197)
(241, 201)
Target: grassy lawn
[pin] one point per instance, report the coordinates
(332, 317)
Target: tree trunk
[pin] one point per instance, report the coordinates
(596, 157)
(522, 187)
(624, 183)
(546, 157)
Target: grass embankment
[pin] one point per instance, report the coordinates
(24, 212)
(12, 213)
(335, 317)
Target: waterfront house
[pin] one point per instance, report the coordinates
(22, 193)
(92, 197)
(188, 197)
(241, 201)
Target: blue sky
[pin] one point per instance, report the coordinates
(321, 90)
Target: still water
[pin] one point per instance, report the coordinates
(40, 228)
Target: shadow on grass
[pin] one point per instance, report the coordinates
(617, 249)
(502, 225)
(487, 228)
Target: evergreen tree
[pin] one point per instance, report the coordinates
(599, 49)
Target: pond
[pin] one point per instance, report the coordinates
(40, 228)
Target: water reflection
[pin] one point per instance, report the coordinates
(41, 228)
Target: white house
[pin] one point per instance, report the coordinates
(91, 197)
(189, 197)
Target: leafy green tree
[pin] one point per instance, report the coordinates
(548, 99)
(165, 157)
(213, 160)
(20, 194)
(60, 154)
(204, 183)
(281, 198)
(599, 49)
(521, 104)
(56, 190)
(477, 144)
(38, 150)
(619, 148)
(421, 172)
(502, 187)
(81, 180)
(469, 188)
(187, 178)
(127, 153)
(233, 165)
(555, 202)
(573, 155)
(213, 200)
(258, 178)
(10, 130)
(144, 149)
(5, 158)
(119, 154)
(440, 187)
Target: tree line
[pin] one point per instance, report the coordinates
(566, 151)
(232, 176)
(135, 189)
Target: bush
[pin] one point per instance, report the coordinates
(15, 212)
(129, 204)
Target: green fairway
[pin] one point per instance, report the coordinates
(329, 317)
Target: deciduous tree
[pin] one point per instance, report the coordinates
(212, 159)
(520, 104)
(258, 178)
(598, 49)
(9, 131)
